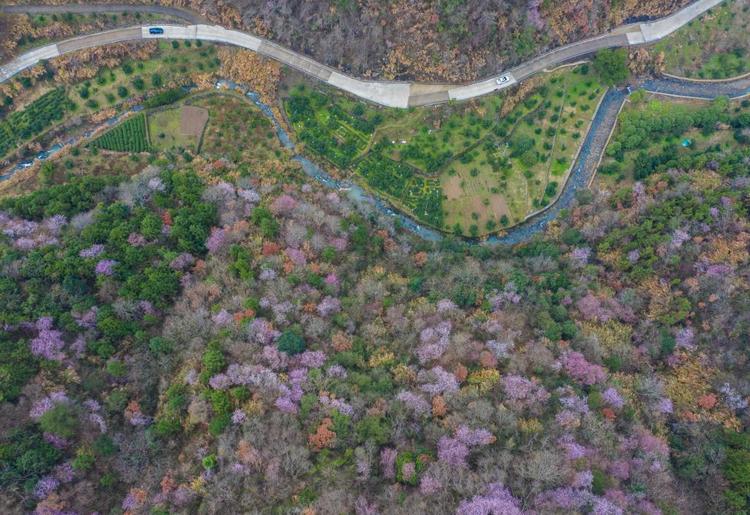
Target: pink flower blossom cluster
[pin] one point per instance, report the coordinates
(336, 371)
(248, 195)
(496, 500)
(454, 450)
(602, 310)
(337, 404)
(575, 403)
(310, 359)
(222, 318)
(48, 343)
(388, 462)
(523, 392)
(216, 240)
(414, 402)
(437, 381)
(262, 331)
(276, 359)
(92, 251)
(105, 267)
(45, 486)
(283, 205)
(445, 305)
(339, 244)
(183, 261)
(86, 320)
(613, 398)
(45, 404)
(296, 256)
(28, 235)
(533, 15)
(329, 306)
(238, 417)
(136, 240)
(55, 440)
(508, 295)
(434, 341)
(578, 368)
(247, 375)
(579, 256)
(428, 485)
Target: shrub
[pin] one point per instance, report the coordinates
(60, 420)
(291, 342)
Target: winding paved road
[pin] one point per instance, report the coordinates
(386, 93)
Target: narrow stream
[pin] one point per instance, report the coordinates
(585, 166)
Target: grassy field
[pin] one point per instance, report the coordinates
(714, 46)
(179, 128)
(470, 168)
(654, 135)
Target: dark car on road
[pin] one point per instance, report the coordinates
(155, 30)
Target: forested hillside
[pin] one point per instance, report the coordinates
(179, 343)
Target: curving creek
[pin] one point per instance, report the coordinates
(579, 178)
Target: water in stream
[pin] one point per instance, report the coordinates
(588, 158)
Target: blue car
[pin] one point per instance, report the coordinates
(155, 30)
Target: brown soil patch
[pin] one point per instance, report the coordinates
(193, 120)
(499, 206)
(452, 188)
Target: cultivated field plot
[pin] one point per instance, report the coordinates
(34, 119)
(340, 130)
(654, 135)
(178, 128)
(714, 46)
(238, 131)
(128, 136)
(470, 168)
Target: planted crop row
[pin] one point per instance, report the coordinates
(129, 136)
(32, 120)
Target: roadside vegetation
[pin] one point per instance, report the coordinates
(714, 46)
(472, 168)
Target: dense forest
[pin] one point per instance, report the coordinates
(180, 343)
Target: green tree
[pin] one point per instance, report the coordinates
(612, 66)
(291, 342)
(60, 420)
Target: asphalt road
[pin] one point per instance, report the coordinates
(387, 93)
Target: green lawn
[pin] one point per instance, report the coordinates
(714, 46)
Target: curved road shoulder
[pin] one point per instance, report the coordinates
(386, 93)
